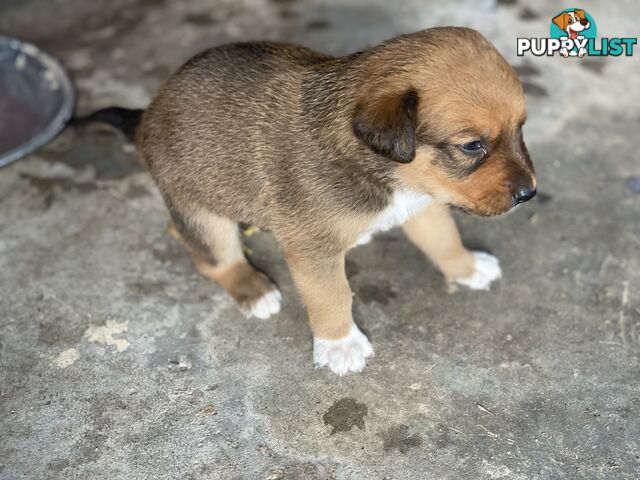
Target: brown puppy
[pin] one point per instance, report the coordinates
(326, 151)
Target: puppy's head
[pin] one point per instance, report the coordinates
(448, 110)
(575, 20)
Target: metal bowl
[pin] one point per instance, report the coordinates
(36, 99)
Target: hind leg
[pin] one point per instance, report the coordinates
(216, 251)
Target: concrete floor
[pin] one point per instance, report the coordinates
(117, 361)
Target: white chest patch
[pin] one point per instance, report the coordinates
(404, 204)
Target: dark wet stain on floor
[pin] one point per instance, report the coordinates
(526, 69)
(170, 252)
(400, 438)
(345, 414)
(288, 14)
(56, 331)
(534, 89)
(528, 14)
(47, 187)
(596, 66)
(137, 191)
(351, 268)
(148, 287)
(318, 24)
(375, 292)
(102, 150)
(543, 197)
(200, 19)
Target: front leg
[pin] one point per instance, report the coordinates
(435, 233)
(321, 280)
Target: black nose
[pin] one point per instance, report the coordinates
(584, 22)
(523, 195)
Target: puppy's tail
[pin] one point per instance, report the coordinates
(124, 119)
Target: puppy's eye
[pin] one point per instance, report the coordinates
(473, 148)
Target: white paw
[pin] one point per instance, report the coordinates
(345, 355)
(487, 269)
(267, 305)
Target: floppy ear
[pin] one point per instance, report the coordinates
(562, 21)
(579, 13)
(387, 124)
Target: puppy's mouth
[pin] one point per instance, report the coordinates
(480, 213)
(573, 34)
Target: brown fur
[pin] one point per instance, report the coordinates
(312, 147)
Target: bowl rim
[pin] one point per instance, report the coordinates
(58, 122)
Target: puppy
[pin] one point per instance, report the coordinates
(324, 152)
(573, 23)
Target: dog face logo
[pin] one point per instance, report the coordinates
(577, 25)
(572, 22)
